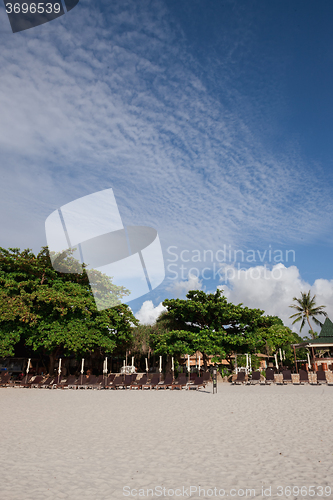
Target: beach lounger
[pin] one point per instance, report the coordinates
(127, 381)
(37, 381)
(55, 382)
(90, 382)
(99, 382)
(303, 377)
(153, 382)
(166, 383)
(46, 382)
(80, 381)
(137, 384)
(5, 378)
(286, 377)
(25, 382)
(85, 382)
(117, 382)
(197, 383)
(255, 378)
(180, 382)
(108, 381)
(71, 382)
(321, 377)
(130, 379)
(240, 379)
(269, 376)
(93, 382)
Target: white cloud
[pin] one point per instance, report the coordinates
(273, 291)
(179, 288)
(259, 287)
(148, 313)
(86, 106)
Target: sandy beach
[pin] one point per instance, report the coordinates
(110, 445)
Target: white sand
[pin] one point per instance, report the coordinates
(77, 445)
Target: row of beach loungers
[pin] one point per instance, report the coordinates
(256, 378)
(112, 381)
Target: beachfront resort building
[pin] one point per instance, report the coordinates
(320, 348)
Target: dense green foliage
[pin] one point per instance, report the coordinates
(53, 311)
(210, 324)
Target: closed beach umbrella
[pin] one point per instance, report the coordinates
(28, 368)
(59, 370)
(276, 361)
(172, 365)
(309, 362)
(247, 362)
(147, 369)
(280, 354)
(105, 370)
(188, 363)
(132, 364)
(82, 369)
(160, 364)
(199, 363)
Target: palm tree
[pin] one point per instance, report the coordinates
(306, 309)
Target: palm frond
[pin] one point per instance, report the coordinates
(306, 307)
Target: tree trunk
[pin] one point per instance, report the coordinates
(178, 359)
(168, 365)
(204, 359)
(51, 362)
(228, 358)
(307, 317)
(52, 357)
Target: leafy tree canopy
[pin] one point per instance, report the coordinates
(210, 324)
(268, 339)
(51, 310)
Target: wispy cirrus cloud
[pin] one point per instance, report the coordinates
(111, 97)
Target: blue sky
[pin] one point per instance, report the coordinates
(210, 120)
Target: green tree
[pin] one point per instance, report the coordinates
(55, 312)
(207, 323)
(306, 308)
(274, 335)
